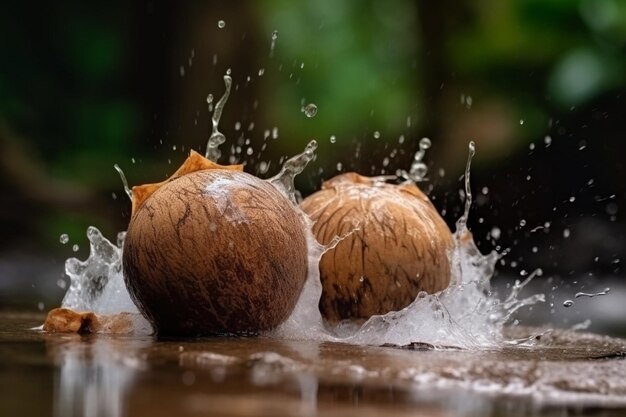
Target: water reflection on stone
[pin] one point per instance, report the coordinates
(94, 375)
(69, 375)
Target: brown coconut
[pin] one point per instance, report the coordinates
(395, 244)
(214, 250)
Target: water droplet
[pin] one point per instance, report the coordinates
(209, 98)
(566, 233)
(221, 24)
(568, 303)
(333, 139)
(310, 110)
(127, 189)
(273, 44)
(591, 295)
(547, 140)
(75, 248)
(40, 306)
(496, 233)
(293, 166)
(419, 170)
(228, 71)
(217, 138)
(377, 134)
(461, 224)
(521, 121)
(64, 238)
(261, 71)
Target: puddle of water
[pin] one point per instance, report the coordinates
(99, 375)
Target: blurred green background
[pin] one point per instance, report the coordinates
(539, 85)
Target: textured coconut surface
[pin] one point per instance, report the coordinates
(41, 374)
(215, 251)
(393, 245)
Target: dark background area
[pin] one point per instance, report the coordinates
(539, 85)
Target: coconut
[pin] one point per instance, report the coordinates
(214, 250)
(393, 244)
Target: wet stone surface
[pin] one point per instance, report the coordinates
(564, 373)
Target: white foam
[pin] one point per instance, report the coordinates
(97, 284)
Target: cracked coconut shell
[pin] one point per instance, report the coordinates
(393, 245)
(214, 250)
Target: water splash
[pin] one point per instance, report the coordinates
(419, 169)
(217, 138)
(461, 224)
(97, 284)
(464, 315)
(591, 295)
(127, 189)
(284, 180)
(310, 110)
(306, 322)
(273, 44)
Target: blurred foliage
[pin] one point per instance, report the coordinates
(63, 86)
(83, 87)
(355, 60)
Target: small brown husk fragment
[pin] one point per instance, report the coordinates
(65, 320)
